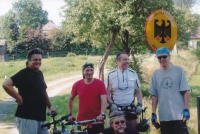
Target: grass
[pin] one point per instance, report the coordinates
(53, 69)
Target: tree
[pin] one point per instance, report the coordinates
(118, 23)
(30, 13)
(60, 40)
(33, 38)
(186, 26)
(9, 29)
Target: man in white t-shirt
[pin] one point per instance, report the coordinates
(121, 84)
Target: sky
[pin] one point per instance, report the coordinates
(51, 6)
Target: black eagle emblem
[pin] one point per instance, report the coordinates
(162, 33)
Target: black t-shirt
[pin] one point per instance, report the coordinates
(110, 130)
(32, 87)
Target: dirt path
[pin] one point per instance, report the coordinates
(53, 89)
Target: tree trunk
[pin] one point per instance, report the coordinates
(105, 55)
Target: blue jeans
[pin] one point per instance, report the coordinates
(27, 126)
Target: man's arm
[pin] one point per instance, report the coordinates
(103, 103)
(8, 87)
(154, 103)
(48, 101)
(109, 97)
(103, 108)
(70, 107)
(70, 104)
(186, 99)
(139, 95)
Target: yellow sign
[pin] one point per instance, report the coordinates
(161, 30)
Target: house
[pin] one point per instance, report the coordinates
(47, 27)
(194, 40)
(3, 49)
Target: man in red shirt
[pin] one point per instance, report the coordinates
(91, 94)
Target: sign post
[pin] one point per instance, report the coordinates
(198, 113)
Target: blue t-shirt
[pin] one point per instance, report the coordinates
(167, 86)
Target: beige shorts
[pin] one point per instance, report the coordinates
(27, 126)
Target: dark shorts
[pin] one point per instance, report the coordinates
(174, 127)
(130, 116)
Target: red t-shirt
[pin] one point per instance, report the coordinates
(89, 98)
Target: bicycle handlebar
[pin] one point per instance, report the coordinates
(55, 121)
(84, 122)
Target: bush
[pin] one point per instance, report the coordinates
(197, 52)
(82, 57)
(71, 55)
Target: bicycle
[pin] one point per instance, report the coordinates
(54, 130)
(83, 125)
(64, 122)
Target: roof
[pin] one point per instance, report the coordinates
(50, 25)
(2, 42)
(197, 34)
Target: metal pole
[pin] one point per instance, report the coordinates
(198, 113)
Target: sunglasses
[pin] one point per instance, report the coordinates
(34, 51)
(164, 57)
(117, 122)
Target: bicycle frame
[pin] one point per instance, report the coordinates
(80, 124)
(55, 122)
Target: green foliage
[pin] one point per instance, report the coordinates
(111, 63)
(197, 52)
(96, 20)
(30, 13)
(135, 64)
(71, 55)
(186, 26)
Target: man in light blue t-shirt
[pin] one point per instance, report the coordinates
(169, 89)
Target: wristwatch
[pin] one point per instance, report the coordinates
(103, 114)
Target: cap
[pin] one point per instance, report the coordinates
(34, 51)
(162, 50)
(115, 114)
(88, 65)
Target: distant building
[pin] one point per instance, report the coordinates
(47, 27)
(194, 39)
(3, 50)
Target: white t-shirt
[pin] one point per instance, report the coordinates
(122, 85)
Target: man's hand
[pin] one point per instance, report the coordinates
(19, 100)
(185, 114)
(52, 110)
(113, 107)
(71, 118)
(154, 117)
(101, 117)
(138, 108)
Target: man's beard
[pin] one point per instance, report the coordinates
(120, 131)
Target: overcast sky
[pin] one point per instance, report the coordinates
(51, 6)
